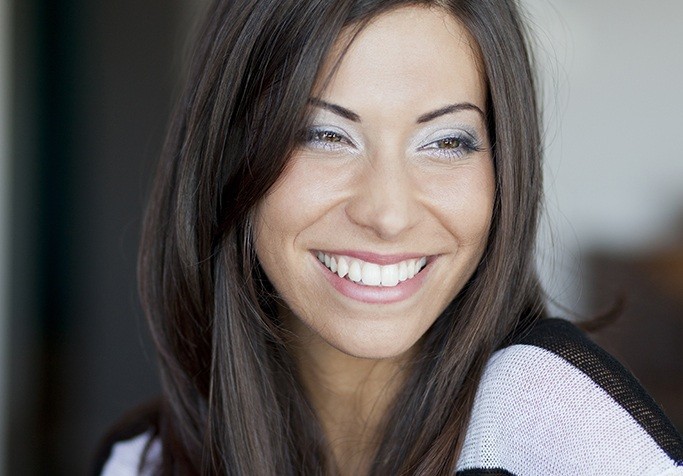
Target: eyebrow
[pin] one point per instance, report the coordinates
(338, 110)
(430, 116)
(451, 108)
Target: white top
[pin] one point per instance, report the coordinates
(536, 414)
(125, 456)
(552, 404)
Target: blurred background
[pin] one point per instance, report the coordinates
(86, 88)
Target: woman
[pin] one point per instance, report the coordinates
(337, 263)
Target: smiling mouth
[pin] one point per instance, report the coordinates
(372, 274)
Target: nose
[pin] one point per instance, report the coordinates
(384, 201)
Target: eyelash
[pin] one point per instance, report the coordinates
(464, 144)
(328, 139)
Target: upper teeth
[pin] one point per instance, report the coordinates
(372, 274)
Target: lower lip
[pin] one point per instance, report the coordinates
(375, 294)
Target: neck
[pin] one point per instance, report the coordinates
(351, 396)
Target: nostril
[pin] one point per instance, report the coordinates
(383, 200)
(386, 220)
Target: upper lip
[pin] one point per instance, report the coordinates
(370, 257)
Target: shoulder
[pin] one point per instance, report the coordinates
(554, 402)
(131, 447)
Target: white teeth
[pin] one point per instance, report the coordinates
(355, 272)
(372, 274)
(411, 268)
(342, 267)
(402, 271)
(390, 275)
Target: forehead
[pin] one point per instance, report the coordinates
(415, 54)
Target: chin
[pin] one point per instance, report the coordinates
(374, 342)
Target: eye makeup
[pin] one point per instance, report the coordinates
(443, 139)
(452, 144)
(327, 138)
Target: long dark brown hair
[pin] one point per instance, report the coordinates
(233, 403)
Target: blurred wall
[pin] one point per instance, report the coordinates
(5, 62)
(94, 83)
(611, 74)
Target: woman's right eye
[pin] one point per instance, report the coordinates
(326, 139)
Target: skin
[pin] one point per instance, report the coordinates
(388, 184)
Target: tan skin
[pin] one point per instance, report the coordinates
(403, 174)
(350, 396)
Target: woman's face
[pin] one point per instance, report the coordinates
(384, 210)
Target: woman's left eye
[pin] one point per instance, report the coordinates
(452, 146)
(448, 143)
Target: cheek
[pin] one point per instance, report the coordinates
(302, 194)
(290, 214)
(287, 208)
(271, 232)
(304, 201)
(463, 202)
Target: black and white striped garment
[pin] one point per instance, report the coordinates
(552, 403)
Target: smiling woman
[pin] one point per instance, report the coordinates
(337, 264)
(392, 186)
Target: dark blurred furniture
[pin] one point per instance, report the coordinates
(648, 336)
